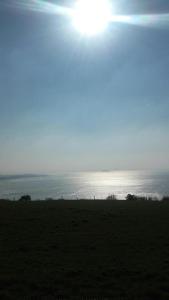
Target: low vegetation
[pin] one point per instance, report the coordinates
(25, 198)
(131, 197)
(112, 197)
(165, 198)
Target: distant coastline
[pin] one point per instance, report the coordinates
(20, 176)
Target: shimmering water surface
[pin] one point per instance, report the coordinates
(86, 185)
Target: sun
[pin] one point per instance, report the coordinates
(91, 17)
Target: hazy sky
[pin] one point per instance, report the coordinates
(75, 103)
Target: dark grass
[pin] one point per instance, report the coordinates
(77, 249)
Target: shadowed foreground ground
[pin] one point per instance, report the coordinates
(98, 249)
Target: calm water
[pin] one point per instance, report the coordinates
(86, 185)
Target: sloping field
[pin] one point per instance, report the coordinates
(84, 250)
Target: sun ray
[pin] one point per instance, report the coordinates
(39, 6)
(147, 20)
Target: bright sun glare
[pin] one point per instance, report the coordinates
(91, 17)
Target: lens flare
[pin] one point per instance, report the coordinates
(38, 6)
(90, 17)
(147, 20)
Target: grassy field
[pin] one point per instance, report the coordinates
(84, 250)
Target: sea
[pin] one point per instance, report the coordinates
(85, 185)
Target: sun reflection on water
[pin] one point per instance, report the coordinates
(102, 184)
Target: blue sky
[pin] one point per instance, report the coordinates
(72, 103)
